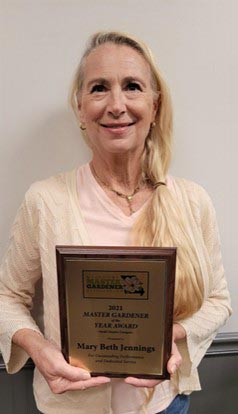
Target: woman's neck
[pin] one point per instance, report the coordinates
(122, 180)
(119, 173)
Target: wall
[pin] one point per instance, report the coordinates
(196, 48)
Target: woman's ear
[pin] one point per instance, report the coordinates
(155, 106)
(80, 112)
(81, 117)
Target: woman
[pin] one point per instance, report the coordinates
(124, 196)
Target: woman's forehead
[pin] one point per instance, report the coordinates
(109, 59)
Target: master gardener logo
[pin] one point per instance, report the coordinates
(115, 284)
(132, 284)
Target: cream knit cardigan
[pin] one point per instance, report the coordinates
(50, 216)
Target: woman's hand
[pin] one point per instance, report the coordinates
(59, 375)
(174, 361)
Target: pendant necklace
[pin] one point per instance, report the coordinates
(127, 197)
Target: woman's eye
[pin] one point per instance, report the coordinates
(98, 88)
(133, 86)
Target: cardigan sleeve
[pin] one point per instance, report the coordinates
(202, 326)
(19, 273)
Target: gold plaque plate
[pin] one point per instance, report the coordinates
(116, 309)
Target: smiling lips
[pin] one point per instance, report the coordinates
(118, 128)
(117, 125)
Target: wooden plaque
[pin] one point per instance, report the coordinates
(116, 309)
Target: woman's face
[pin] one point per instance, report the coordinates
(117, 103)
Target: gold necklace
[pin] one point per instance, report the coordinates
(127, 197)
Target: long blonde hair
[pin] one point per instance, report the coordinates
(163, 221)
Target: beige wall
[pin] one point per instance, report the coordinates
(195, 43)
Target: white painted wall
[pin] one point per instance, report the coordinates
(195, 43)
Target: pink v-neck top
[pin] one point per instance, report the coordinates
(107, 225)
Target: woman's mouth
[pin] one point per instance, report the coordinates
(117, 127)
(117, 124)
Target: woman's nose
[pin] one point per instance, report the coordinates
(116, 103)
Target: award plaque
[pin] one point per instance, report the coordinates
(116, 309)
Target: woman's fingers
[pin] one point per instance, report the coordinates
(72, 373)
(175, 360)
(65, 377)
(59, 385)
(84, 385)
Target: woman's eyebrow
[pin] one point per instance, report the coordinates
(101, 81)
